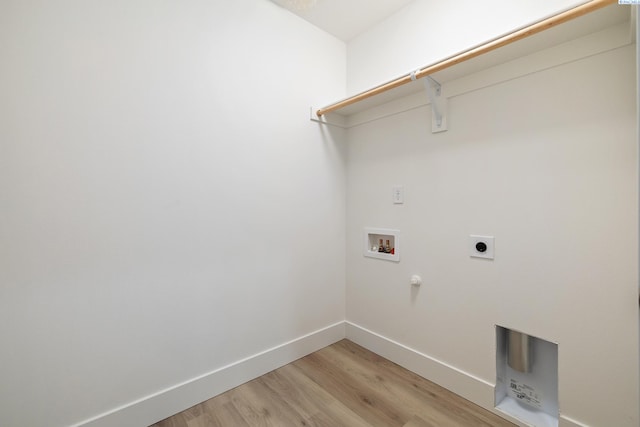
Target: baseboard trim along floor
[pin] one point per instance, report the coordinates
(160, 405)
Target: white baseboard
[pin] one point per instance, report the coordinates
(462, 383)
(160, 405)
(568, 422)
(156, 407)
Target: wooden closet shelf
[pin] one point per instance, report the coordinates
(498, 45)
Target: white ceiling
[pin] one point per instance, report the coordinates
(345, 19)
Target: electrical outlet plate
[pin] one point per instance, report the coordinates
(476, 248)
(398, 194)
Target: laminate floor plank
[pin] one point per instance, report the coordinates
(339, 385)
(254, 408)
(222, 412)
(309, 397)
(386, 389)
(419, 422)
(357, 395)
(433, 402)
(385, 386)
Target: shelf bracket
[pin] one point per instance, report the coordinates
(327, 119)
(437, 101)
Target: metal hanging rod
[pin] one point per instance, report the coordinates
(530, 30)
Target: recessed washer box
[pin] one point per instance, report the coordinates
(481, 246)
(389, 239)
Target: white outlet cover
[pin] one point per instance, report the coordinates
(473, 246)
(398, 194)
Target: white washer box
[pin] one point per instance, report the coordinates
(372, 237)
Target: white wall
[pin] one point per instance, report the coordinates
(166, 207)
(154, 228)
(546, 163)
(426, 31)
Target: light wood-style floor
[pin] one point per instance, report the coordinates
(340, 385)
